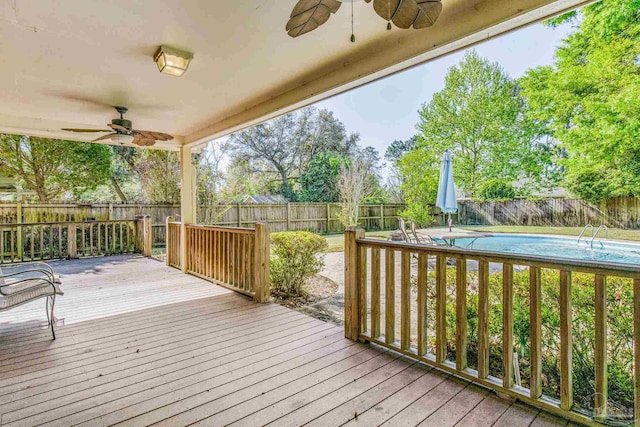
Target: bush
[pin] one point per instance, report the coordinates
(619, 327)
(497, 189)
(295, 257)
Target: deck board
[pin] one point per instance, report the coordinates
(139, 343)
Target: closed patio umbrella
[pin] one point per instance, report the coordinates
(446, 199)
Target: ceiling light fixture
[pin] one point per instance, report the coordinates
(172, 61)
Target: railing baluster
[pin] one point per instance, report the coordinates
(42, 242)
(507, 325)
(461, 314)
(405, 300)
(31, 235)
(483, 319)
(1, 245)
(13, 244)
(362, 281)
(636, 350)
(441, 308)
(566, 366)
(535, 331)
(375, 292)
(423, 272)
(389, 295)
(601, 396)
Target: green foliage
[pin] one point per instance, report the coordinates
(51, 168)
(496, 189)
(159, 173)
(590, 100)
(420, 184)
(283, 147)
(479, 117)
(319, 182)
(399, 148)
(296, 256)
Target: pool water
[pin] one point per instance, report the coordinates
(556, 247)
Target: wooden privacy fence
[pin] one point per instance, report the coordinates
(62, 240)
(323, 218)
(233, 257)
(621, 212)
(316, 217)
(420, 331)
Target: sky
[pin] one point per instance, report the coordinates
(387, 109)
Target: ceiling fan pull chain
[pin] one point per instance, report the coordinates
(353, 37)
(389, 21)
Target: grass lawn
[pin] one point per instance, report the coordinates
(336, 241)
(614, 233)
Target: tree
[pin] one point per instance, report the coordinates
(319, 183)
(399, 148)
(210, 183)
(479, 116)
(285, 145)
(159, 173)
(355, 185)
(590, 99)
(51, 168)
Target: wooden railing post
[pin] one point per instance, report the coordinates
(147, 236)
(72, 245)
(351, 285)
(167, 239)
(261, 275)
(19, 218)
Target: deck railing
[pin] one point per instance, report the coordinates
(421, 330)
(233, 257)
(60, 240)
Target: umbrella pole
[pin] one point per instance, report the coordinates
(450, 223)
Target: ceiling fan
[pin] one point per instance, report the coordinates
(122, 131)
(307, 15)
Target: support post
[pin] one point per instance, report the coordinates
(261, 275)
(381, 216)
(288, 216)
(351, 285)
(167, 240)
(187, 201)
(110, 217)
(239, 212)
(72, 243)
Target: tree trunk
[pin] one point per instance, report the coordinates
(118, 190)
(288, 193)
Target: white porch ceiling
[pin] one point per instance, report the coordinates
(67, 63)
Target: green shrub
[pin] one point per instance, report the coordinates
(497, 189)
(619, 327)
(296, 256)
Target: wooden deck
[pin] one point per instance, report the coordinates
(140, 343)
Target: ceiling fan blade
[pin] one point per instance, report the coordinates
(307, 15)
(86, 130)
(158, 136)
(142, 141)
(105, 137)
(119, 128)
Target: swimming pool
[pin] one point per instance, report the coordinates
(556, 247)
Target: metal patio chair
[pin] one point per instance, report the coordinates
(21, 284)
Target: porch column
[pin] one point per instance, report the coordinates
(187, 200)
